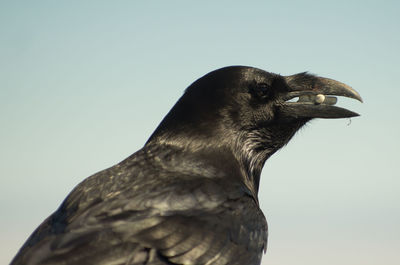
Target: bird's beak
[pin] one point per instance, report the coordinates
(316, 97)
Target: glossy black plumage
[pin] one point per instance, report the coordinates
(189, 196)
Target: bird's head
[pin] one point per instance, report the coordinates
(250, 112)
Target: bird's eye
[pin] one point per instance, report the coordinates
(260, 90)
(263, 88)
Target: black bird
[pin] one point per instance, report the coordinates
(189, 196)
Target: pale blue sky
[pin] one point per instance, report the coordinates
(84, 83)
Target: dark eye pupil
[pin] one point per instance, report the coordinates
(263, 88)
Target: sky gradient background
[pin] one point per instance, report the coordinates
(84, 83)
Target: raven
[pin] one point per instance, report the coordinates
(189, 196)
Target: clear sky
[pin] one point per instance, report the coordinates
(84, 83)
